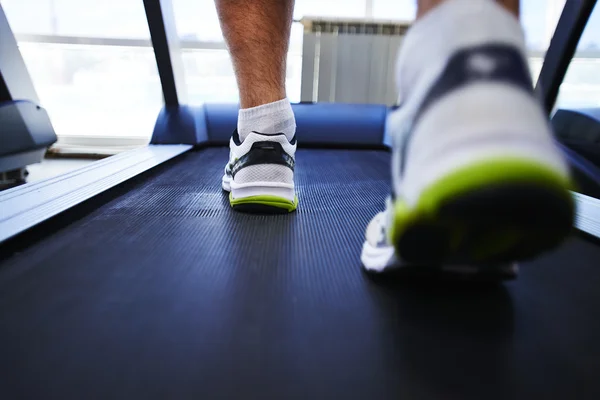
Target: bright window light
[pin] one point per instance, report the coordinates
(107, 88)
(94, 69)
(581, 86)
(96, 18)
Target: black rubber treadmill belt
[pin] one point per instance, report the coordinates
(164, 292)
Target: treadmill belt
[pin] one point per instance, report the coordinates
(165, 292)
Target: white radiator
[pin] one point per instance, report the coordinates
(350, 61)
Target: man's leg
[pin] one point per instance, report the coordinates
(477, 178)
(257, 33)
(259, 174)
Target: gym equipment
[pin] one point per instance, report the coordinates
(25, 131)
(580, 131)
(159, 289)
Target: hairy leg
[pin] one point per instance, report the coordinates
(260, 174)
(257, 33)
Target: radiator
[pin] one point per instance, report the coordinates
(350, 61)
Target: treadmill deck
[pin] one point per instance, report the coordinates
(165, 292)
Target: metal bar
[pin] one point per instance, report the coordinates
(118, 42)
(378, 73)
(316, 68)
(192, 44)
(579, 54)
(81, 40)
(165, 40)
(309, 47)
(203, 45)
(392, 91)
(333, 77)
(562, 49)
(369, 9)
(324, 73)
(326, 25)
(352, 84)
(587, 217)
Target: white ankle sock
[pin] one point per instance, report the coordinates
(276, 117)
(453, 25)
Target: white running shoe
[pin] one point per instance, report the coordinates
(477, 176)
(260, 173)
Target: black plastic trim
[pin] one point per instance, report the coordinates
(165, 40)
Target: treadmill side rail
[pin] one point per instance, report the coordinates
(28, 205)
(587, 218)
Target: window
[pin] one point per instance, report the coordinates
(92, 64)
(581, 86)
(330, 8)
(404, 10)
(96, 18)
(539, 19)
(207, 66)
(197, 20)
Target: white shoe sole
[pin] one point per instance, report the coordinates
(263, 197)
(380, 261)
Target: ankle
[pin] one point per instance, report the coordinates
(253, 98)
(273, 117)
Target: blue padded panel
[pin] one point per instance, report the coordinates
(318, 124)
(221, 120)
(180, 125)
(593, 113)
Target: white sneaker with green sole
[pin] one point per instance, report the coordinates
(260, 173)
(477, 176)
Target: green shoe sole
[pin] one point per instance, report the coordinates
(263, 204)
(501, 210)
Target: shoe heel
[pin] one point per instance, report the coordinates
(497, 211)
(263, 199)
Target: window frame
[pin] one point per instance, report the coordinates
(168, 47)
